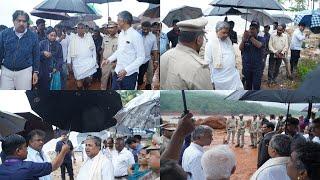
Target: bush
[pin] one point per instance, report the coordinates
(305, 66)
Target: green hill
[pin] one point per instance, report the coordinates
(208, 103)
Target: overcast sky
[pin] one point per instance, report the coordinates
(7, 8)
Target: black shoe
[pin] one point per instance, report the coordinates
(241, 146)
(237, 145)
(251, 145)
(148, 87)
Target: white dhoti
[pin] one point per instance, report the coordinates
(222, 62)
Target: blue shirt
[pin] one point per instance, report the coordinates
(252, 56)
(16, 169)
(67, 157)
(163, 43)
(19, 54)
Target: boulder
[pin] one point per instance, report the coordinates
(215, 122)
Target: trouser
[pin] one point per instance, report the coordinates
(127, 83)
(149, 75)
(69, 168)
(240, 133)
(274, 65)
(19, 80)
(64, 76)
(287, 64)
(252, 78)
(231, 132)
(142, 70)
(253, 137)
(106, 71)
(295, 55)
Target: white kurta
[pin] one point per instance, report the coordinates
(227, 77)
(273, 169)
(103, 167)
(84, 63)
(191, 161)
(34, 156)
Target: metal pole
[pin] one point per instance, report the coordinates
(108, 11)
(285, 127)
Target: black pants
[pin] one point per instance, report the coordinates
(142, 70)
(252, 78)
(295, 55)
(274, 65)
(69, 169)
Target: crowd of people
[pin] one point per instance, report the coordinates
(191, 61)
(113, 158)
(288, 148)
(126, 57)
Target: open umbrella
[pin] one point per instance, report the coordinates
(35, 122)
(150, 1)
(153, 11)
(260, 16)
(311, 18)
(135, 20)
(87, 111)
(68, 6)
(181, 14)
(282, 18)
(50, 15)
(102, 2)
(249, 4)
(10, 123)
(224, 11)
(141, 112)
(23, 123)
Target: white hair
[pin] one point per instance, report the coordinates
(218, 162)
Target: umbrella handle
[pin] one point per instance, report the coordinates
(185, 111)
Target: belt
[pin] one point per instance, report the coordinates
(118, 177)
(16, 69)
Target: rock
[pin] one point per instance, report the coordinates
(215, 122)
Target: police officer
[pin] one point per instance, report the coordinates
(254, 128)
(240, 131)
(182, 67)
(231, 128)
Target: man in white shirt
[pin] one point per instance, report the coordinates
(64, 41)
(97, 166)
(278, 45)
(275, 168)
(82, 55)
(221, 56)
(191, 159)
(109, 149)
(122, 159)
(296, 46)
(129, 55)
(150, 47)
(35, 152)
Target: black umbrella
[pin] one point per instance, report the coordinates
(10, 123)
(249, 4)
(68, 6)
(35, 122)
(181, 14)
(87, 111)
(153, 11)
(150, 1)
(224, 11)
(310, 88)
(50, 15)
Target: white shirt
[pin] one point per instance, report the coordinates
(191, 161)
(109, 152)
(106, 169)
(65, 44)
(150, 44)
(274, 173)
(34, 156)
(228, 77)
(130, 54)
(297, 39)
(20, 34)
(122, 161)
